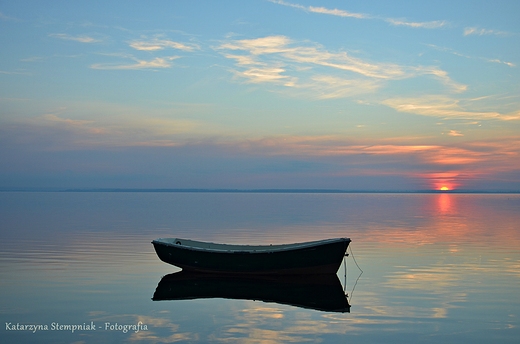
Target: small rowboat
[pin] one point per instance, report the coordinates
(314, 257)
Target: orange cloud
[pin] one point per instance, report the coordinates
(436, 165)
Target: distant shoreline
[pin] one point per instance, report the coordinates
(281, 191)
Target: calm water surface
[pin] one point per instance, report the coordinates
(436, 267)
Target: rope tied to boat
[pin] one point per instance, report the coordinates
(352, 253)
(345, 283)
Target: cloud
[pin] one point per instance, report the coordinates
(297, 160)
(442, 106)
(160, 44)
(158, 62)
(69, 129)
(33, 59)
(468, 31)
(342, 13)
(424, 25)
(346, 62)
(136, 130)
(13, 72)
(335, 12)
(444, 78)
(510, 64)
(81, 39)
(307, 66)
(428, 164)
(456, 53)
(260, 75)
(331, 87)
(284, 49)
(7, 18)
(321, 10)
(455, 133)
(259, 46)
(276, 59)
(67, 121)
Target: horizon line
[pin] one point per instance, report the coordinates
(239, 190)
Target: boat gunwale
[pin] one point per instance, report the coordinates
(237, 248)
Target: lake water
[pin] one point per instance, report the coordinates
(436, 267)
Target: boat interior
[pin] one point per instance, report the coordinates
(200, 245)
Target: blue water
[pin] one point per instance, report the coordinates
(436, 267)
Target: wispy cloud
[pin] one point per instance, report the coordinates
(155, 44)
(343, 13)
(456, 53)
(455, 133)
(263, 74)
(14, 72)
(158, 62)
(302, 65)
(7, 18)
(510, 64)
(58, 131)
(81, 39)
(322, 10)
(330, 87)
(445, 107)
(424, 25)
(33, 59)
(443, 77)
(259, 46)
(276, 59)
(484, 32)
(74, 122)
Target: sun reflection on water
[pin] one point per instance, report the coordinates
(444, 203)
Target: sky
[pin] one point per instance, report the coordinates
(352, 95)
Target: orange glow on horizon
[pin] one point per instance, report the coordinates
(444, 181)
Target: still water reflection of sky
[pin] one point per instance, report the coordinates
(437, 267)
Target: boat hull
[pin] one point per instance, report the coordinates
(322, 258)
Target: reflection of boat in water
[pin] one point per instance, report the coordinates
(320, 292)
(315, 257)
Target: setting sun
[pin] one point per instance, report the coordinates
(445, 188)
